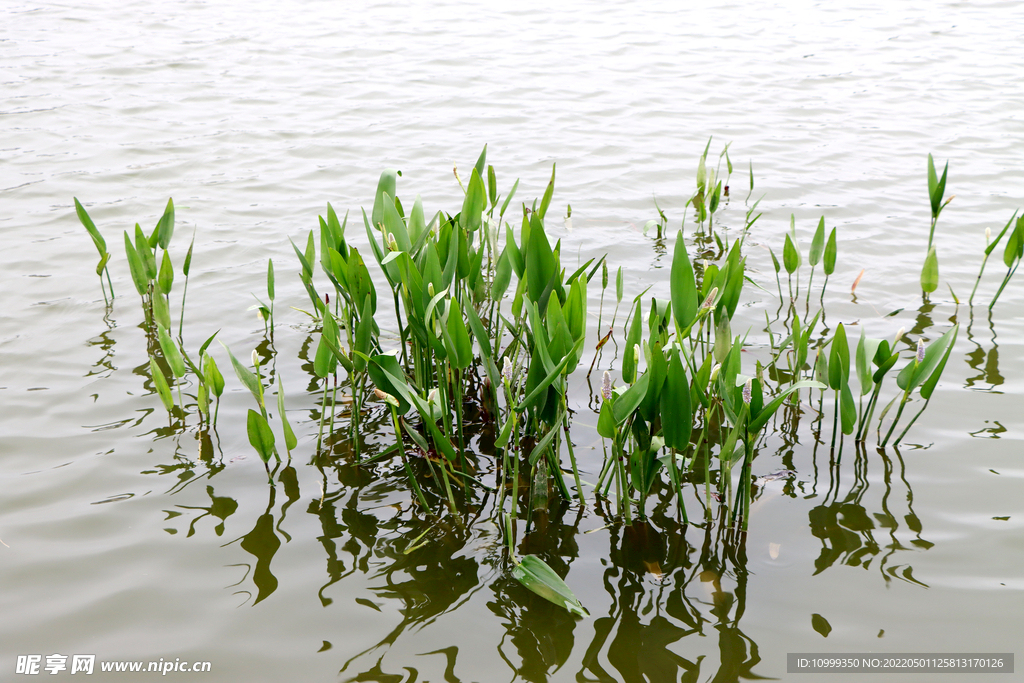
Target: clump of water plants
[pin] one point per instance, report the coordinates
(490, 326)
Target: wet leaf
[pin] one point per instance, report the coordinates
(537, 576)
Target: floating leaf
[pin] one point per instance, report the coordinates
(535, 574)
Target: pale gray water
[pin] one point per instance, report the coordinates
(253, 115)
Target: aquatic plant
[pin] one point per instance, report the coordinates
(490, 327)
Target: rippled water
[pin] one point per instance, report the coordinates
(118, 540)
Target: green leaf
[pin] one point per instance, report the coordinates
(551, 377)
(388, 376)
(502, 275)
(166, 277)
(474, 203)
(492, 186)
(606, 420)
(537, 576)
(839, 360)
(761, 419)
(97, 238)
(364, 331)
(629, 365)
(289, 436)
(161, 314)
(936, 186)
(676, 413)
(171, 352)
(188, 258)
(162, 388)
(102, 263)
(260, 435)
(386, 185)
(866, 350)
(915, 373)
(324, 361)
(548, 192)
(540, 263)
(790, 255)
(463, 347)
(933, 185)
(546, 440)
(145, 252)
(482, 338)
(394, 225)
(211, 375)
(847, 410)
(135, 265)
(481, 162)
(830, 253)
(508, 199)
(683, 286)
(270, 278)
(246, 377)
(630, 399)
(1015, 244)
(506, 431)
(930, 272)
(619, 284)
(165, 226)
(817, 244)
(933, 379)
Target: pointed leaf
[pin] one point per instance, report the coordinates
(260, 435)
(538, 577)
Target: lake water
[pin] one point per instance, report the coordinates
(119, 540)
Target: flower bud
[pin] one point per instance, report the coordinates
(747, 391)
(988, 235)
(710, 301)
(430, 289)
(506, 370)
(386, 397)
(606, 385)
(715, 370)
(899, 335)
(255, 359)
(392, 242)
(920, 351)
(636, 354)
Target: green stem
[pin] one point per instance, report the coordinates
(1006, 281)
(896, 419)
(572, 456)
(904, 432)
(405, 460)
(977, 281)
